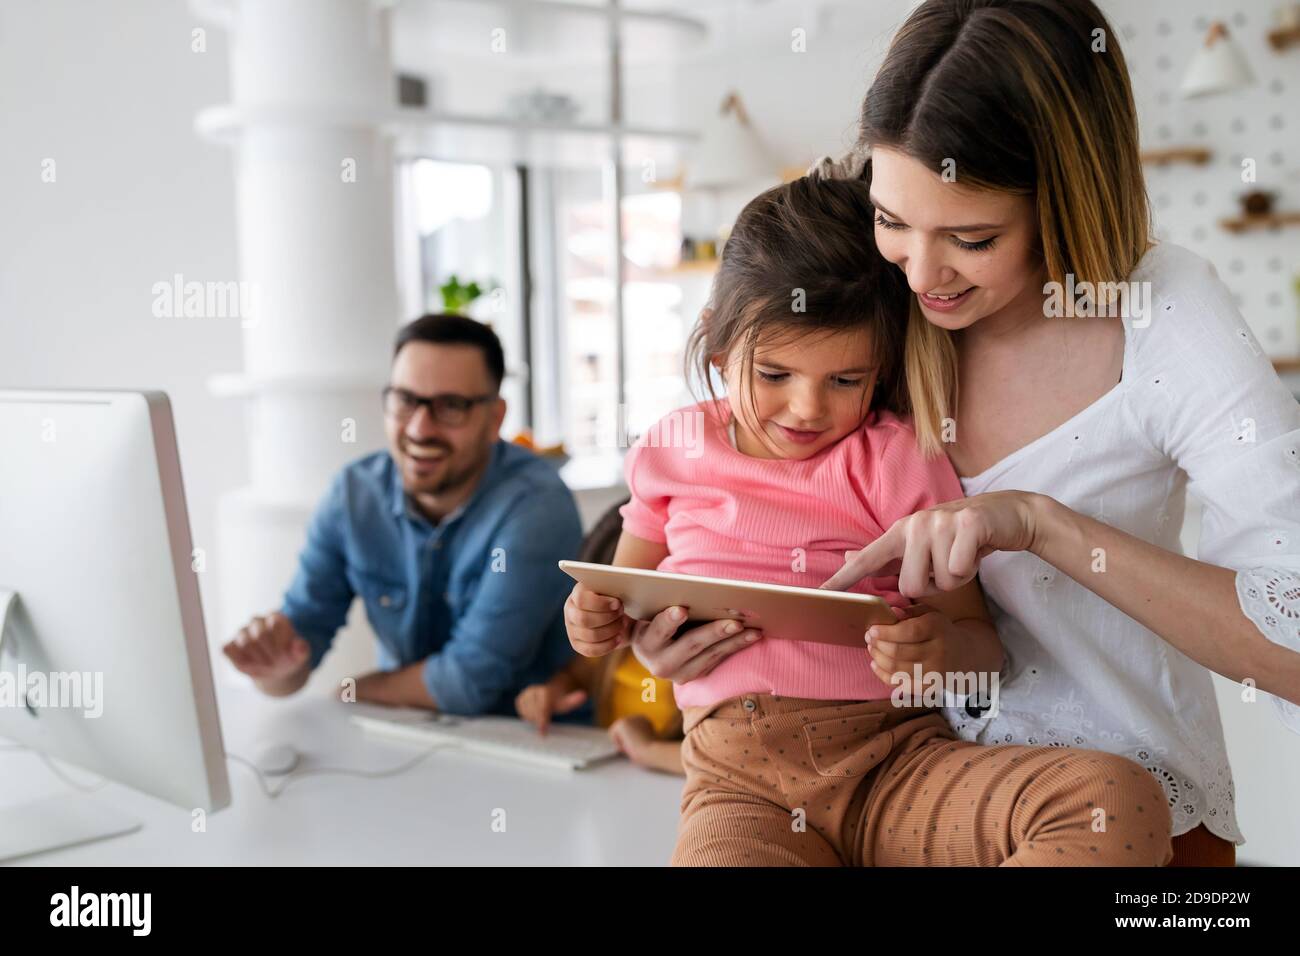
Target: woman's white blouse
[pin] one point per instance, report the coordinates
(1200, 409)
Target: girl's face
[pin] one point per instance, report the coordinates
(968, 254)
(806, 394)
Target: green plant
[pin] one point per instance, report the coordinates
(457, 296)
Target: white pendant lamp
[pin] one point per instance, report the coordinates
(729, 152)
(1218, 67)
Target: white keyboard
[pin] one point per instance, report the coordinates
(568, 746)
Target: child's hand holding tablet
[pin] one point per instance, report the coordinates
(597, 624)
(609, 598)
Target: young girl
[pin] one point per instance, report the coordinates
(794, 752)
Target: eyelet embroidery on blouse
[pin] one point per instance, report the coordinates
(1076, 443)
(1242, 430)
(1044, 578)
(1182, 795)
(1185, 805)
(1067, 725)
(1248, 340)
(1270, 597)
(1028, 680)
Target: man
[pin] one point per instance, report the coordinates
(451, 537)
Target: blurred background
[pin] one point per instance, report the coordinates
(238, 201)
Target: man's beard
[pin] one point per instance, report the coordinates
(457, 474)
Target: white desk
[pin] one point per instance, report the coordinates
(439, 812)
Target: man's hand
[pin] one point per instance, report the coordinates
(269, 650)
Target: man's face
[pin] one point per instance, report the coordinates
(440, 458)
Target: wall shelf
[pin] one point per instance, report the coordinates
(1196, 155)
(1270, 220)
(451, 137)
(1284, 37)
(693, 266)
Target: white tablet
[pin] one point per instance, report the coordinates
(781, 611)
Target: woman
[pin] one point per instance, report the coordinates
(1004, 157)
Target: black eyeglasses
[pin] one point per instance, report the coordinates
(447, 408)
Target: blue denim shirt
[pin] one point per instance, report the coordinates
(477, 597)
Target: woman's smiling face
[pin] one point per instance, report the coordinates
(967, 253)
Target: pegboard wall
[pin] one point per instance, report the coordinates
(1260, 122)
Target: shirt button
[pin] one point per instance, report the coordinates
(749, 704)
(385, 600)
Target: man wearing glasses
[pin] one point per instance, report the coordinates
(450, 537)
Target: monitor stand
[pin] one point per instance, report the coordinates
(53, 823)
(8, 609)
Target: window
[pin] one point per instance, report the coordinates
(563, 370)
(454, 220)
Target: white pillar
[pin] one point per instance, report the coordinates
(312, 86)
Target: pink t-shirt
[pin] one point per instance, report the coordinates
(725, 514)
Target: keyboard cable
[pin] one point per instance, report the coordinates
(295, 775)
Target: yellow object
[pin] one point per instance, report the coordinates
(629, 689)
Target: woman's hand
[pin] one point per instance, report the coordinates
(690, 654)
(939, 549)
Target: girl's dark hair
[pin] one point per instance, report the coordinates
(801, 260)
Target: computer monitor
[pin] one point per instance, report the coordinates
(103, 654)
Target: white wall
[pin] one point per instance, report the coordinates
(109, 92)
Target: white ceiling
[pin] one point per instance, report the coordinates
(427, 33)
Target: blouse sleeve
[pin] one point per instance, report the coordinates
(646, 514)
(1208, 397)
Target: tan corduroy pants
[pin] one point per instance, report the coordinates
(774, 781)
